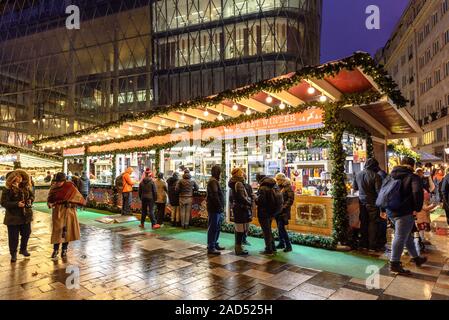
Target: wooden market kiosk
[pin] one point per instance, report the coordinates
(34, 162)
(317, 125)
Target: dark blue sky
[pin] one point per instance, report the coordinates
(344, 31)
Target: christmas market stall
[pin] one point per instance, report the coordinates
(34, 162)
(317, 125)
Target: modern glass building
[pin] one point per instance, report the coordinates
(130, 55)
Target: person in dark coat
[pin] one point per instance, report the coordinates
(240, 204)
(84, 185)
(250, 192)
(445, 194)
(282, 219)
(148, 196)
(215, 211)
(173, 199)
(412, 196)
(17, 199)
(382, 222)
(368, 184)
(161, 199)
(265, 217)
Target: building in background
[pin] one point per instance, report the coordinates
(131, 55)
(417, 57)
(204, 47)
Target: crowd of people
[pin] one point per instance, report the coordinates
(404, 200)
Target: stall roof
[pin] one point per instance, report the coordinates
(28, 158)
(427, 157)
(357, 74)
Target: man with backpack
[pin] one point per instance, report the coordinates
(368, 184)
(401, 195)
(269, 204)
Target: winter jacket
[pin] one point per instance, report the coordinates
(147, 189)
(161, 190)
(412, 191)
(368, 183)
(173, 196)
(289, 199)
(186, 186)
(215, 196)
(10, 201)
(127, 181)
(444, 187)
(84, 185)
(266, 184)
(239, 200)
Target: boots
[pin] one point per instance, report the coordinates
(281, 245)
(288, 247)
(13, 257)
(54, 255)
(396, 267)
(419, 261)
(239, 251)
(24, 253)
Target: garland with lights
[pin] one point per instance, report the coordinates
(358, 60)
(7, 149)
(402, 151)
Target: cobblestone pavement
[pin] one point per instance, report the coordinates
(125, 263)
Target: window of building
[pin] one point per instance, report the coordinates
(403, 59)
(395, 70)
(420, 37)
(410, 52)
(426, 30)
(436, 47)
(421, 62)
(446, 69)
(444, 7)
(428, 56)
(437, 76)
(404, 80)
(447, 100)
(434, 19)
(411, 72)
(429, 137)
(438, 104)
(439, 135)
(446, 37)
(422, 88)
(412, 98)
(428, 84)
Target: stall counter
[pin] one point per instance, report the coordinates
(314, 214)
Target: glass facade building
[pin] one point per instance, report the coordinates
(130, 55)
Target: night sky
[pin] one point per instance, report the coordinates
(344, 31)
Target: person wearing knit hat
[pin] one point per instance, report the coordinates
(283, 218)
(240, 204)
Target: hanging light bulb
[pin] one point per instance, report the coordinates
(145, 125)
(119, 136)
(130, 128)
(43, 120)
(206, 113)
(220, 117)
(163, 121)
(235, 107)
(58, 125)
(248, 112)
(159, 127)
(177, 125)
(269, 99)
(34, 120)
(323, 98)
(282, 106)
(183, 117)
(197, 121)
(144, 130)
(311, 90)
(116, 130)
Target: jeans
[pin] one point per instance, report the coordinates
(175, 214)
(369, 216)
(213, 229)
(185, 205)
(24, 230)
(148, 209)
(126, 203)
(265, 224)
(381, 233)
(283, 235)
(403, 227)
(160, 213)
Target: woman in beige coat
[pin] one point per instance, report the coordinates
(63, 198)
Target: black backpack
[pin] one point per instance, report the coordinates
(275, 201)
(119, 182)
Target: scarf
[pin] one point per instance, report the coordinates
(67, 193)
